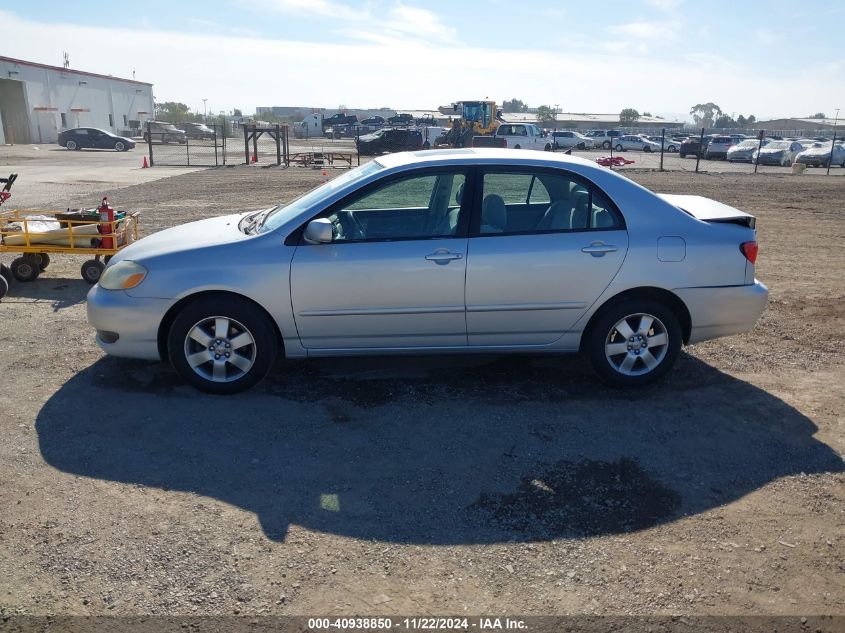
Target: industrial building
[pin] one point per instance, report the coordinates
(38, 101)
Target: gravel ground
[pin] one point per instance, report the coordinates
(434, 485)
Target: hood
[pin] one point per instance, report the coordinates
(772, 150)
(816, 151)
(194, 235)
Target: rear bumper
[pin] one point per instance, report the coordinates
(722, 311)
(135, 322)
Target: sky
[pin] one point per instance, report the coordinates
(770, 58)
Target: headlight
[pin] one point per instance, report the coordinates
(123, 276)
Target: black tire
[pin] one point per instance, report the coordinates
(619, 148)
(4, 286)
(71, 145)
(42, 260)
(603, 332)
(426, 145)
(581, 146)
(682, 155)
(92, 270)
(517, 147)
(25, 269)
(243, 316)
(6, 273)
(547, 148)
(671, 149)
(606, 145)
(119, 146)
(146, 137)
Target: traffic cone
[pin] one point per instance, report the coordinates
(325, 176)
(146, 164)
(255, 158)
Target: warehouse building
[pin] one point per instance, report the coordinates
(38, 101)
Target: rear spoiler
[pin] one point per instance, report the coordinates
(708, 210)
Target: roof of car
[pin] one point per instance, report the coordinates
(479, 154)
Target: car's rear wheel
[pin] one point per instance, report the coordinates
(634, 342)
(222, 344)
(581, 146)
(120, 146)
(606, 145)
(71, 145)
(671, 148)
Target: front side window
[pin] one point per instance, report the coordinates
(416, 207)
(520, 202)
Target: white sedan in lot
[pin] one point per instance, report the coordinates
(635, 142)
(445, 251)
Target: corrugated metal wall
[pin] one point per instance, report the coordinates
(13, 107)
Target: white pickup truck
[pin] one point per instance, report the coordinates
(524, 136)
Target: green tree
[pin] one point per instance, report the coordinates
(237, 112)
(628, 117)
(725, 121)
(514, 105)
(704, 114)
(751, 120)
(818, 115)
(546, 115)
(647, 114)
(172, 112)
(741, 121)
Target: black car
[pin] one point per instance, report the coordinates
(198, 131)
(339, 119)
(94, 138)
(401, 119)
(373, 120)
(390, 140)
(692, 146)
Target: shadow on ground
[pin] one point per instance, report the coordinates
(60, 292)
(436, 450)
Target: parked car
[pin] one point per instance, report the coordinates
(198, 131)
(373, 120)
(523, 136)
(164, 132)
(692, 146)
(339, 118)
(566, 139)
(401, 119)
(778, 153)
(743, 152)
(604, 138)
(718, 146)
(820, 155)
(94, 138)
(393, 256)
(390, 140)
(633, 141)
(669, 144)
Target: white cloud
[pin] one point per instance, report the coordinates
(403, 72)
(326, 8)
(665, 5)
(651, 30)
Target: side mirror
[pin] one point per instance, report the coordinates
(318, 231)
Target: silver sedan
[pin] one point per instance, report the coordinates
(448, 251)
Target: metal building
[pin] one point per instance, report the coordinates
(38, 101)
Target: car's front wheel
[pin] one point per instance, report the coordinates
(222, 344)
(634, 342)
(120, 146)
(71, 145)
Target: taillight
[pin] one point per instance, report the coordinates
(749, 249)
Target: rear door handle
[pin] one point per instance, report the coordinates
(443, 257)
(598, 249)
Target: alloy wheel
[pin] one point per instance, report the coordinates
(220, 349)
(636, 344)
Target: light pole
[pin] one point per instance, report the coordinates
(204, 111)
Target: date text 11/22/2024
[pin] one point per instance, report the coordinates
(418, 623)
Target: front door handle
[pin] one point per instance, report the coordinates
(598, 249)
(443, 256)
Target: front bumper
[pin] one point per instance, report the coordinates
(135, 322)
(724, 310)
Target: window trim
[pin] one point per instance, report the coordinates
(478, 197)
(297, 237)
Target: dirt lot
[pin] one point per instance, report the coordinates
(437, 485)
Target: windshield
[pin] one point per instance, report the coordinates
(778, 145)
(283, 213)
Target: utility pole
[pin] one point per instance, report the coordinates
(204, 111)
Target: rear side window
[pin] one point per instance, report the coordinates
(518, 202)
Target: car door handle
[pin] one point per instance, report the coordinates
(443, 257)
(598, 249)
